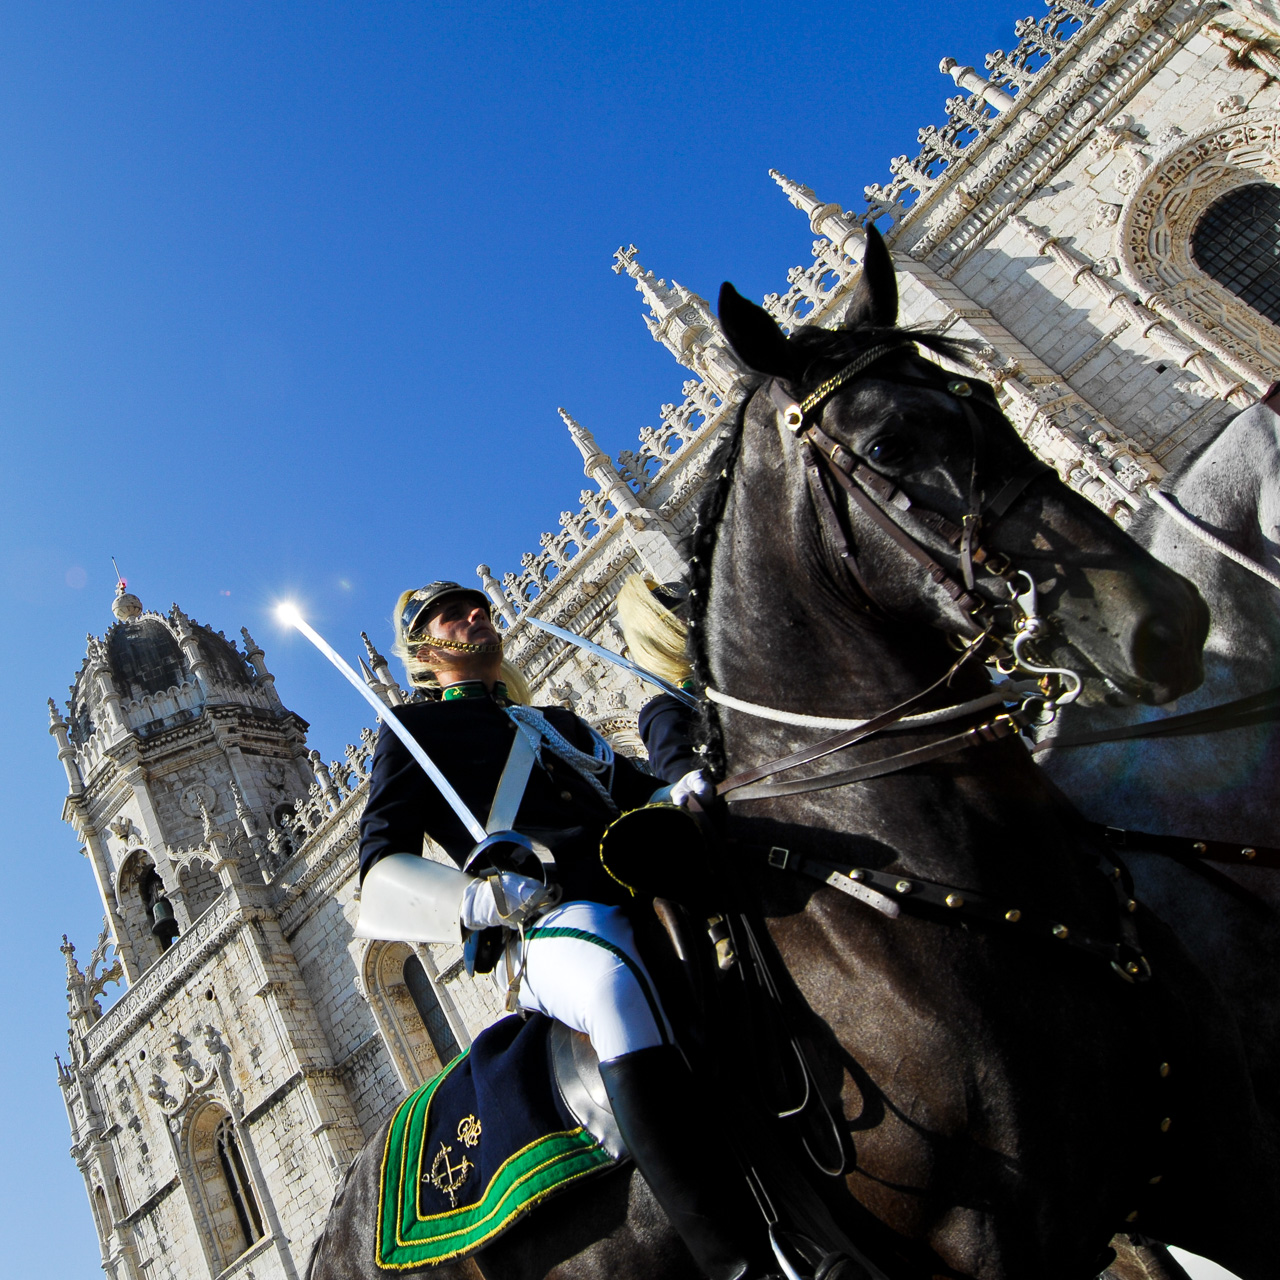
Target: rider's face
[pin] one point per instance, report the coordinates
(462, 618)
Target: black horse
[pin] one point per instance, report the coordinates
(1004, 1100)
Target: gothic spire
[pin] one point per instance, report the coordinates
(683, 322)
(825, 219)
(599, 465)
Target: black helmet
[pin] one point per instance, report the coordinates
(415, 608)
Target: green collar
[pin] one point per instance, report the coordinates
(475, 689)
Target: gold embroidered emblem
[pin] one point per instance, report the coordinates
(469, 1131)
(448, 1177)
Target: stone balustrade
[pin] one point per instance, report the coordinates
(970, 118)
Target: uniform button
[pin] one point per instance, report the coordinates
(566, 796)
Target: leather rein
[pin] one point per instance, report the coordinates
(875, 496)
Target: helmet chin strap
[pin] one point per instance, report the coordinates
(459, 646)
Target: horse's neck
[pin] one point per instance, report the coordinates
(1218, 786)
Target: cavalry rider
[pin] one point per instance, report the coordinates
(577, 961)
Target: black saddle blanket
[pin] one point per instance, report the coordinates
(479, 1146)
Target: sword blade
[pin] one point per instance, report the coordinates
(608, 655)
(291, 617)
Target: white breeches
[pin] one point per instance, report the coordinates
(582, 968)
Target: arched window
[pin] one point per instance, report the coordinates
(225, 1188)
(424, 998)
(138, 885)
(102, 1212)
(407, 1009)
(1237, 242)
(239, 1188)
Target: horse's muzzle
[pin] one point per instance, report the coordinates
(1166, 650)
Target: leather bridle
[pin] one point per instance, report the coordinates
(876, 496)
(864, 486)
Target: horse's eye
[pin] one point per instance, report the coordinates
(884, 452)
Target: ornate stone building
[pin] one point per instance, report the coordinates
(1099, 212)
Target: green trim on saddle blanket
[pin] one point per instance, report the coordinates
(407, 1239)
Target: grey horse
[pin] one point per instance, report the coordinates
(1212, 786)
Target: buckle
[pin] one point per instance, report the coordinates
(778, 857)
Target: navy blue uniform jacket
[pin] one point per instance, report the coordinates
(469, 740)
(666, 729)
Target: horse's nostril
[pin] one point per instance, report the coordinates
(1164, 652)
(1157, 645)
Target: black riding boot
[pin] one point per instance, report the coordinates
(662, 1118)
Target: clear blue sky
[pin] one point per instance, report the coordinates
(289, 295)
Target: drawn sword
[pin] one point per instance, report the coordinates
(290, 615)
(617, 659)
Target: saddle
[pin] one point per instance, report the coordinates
(523, 1114)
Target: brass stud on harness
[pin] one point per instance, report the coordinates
(959, 387)
(954, 900)
(1248, 853)
(1200, 847)
(1131, 905)
(1131, 1217)
(1133, 968)
(1060, 931)
(1166, 1124)
(1013, 916)
(1164, 1071)
(903, 886)
(857, 874)
(793, 418)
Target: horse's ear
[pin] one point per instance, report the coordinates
(874, 302)
(755, 338)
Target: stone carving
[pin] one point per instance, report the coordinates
(165, 976)
(970, 119)
(196, 797)
(1105, 215)
(1154, 231)
(195, 1081)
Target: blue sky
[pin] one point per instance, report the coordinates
(288, 298)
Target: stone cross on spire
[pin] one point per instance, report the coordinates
(684, 324)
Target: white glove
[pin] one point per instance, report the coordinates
(695, 783)
(523, 899)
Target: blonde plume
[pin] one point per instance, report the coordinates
(657, 639)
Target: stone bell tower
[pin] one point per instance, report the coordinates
(180, 760)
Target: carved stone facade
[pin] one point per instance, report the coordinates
(1048, 220)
